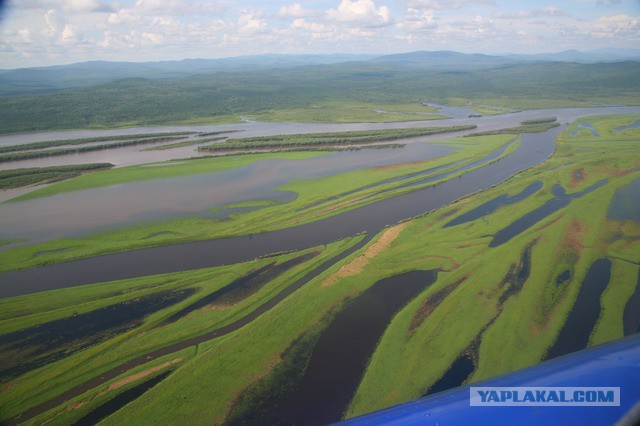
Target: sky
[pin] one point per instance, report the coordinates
(53, 32)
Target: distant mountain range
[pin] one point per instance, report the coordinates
(26, 81)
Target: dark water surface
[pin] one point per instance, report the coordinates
(342, 352)
(48, 342)
(631, 315)
(633, 125)
(455, 376)
(625, 204)
(547, 209)
(575, 332)
(563, 277)
(244, 286)
(491, 206)
(120, 401)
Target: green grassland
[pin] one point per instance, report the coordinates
(505, 328)
(275, 216)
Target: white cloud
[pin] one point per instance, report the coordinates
(74, 6)
(359, 11)
(40, 32)
(313, 27)
(251, 23)
(152, 38)
(177, 7)
(295, 11)
(536, 13)
(617, 26)
(69, 34)
(54, 22)
(445, 4)
(417, 20)
(87, 6)
(124, 16)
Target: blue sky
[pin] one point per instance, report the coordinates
(51, 32)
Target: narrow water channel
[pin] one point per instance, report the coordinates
(120, 401)
(491, 206)
(631, 315)
(520, 225)
(585, 312)
(455, 376)
(342, 352)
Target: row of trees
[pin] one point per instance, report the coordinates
(523, 128)
(30, 176)
(26, 155)
(82, 141)
(330, 139)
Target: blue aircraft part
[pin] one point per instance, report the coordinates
(615, 364)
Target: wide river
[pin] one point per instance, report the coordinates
(371, 218)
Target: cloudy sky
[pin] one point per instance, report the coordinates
(51, 32)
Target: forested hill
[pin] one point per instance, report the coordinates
(223, 95)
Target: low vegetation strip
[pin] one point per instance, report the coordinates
(525, 127)
(24, 155)
(328, 139)
(543, 120)
(22, 177)
(82, 141)
(188, 142)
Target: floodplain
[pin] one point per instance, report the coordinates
(248, 331)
